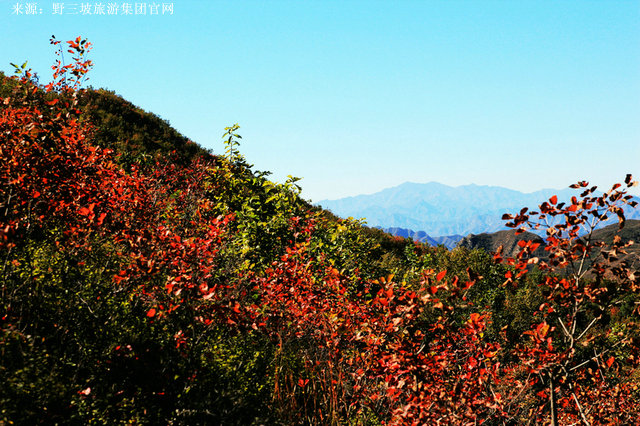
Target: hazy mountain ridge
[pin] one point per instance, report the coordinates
(440, 210)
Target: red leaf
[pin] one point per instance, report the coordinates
(151, 313)
(542, 329)
(84, 211)
(441, 275)
(554, 199)
(610, 361)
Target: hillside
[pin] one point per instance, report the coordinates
(131, 131)
(147, 281)
(158, 267)
(490, 242)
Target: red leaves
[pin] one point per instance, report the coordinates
(581, 184)
(70, 77)
(476, 321)
(87, 211)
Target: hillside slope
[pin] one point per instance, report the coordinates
(490, 242)
(147, 286)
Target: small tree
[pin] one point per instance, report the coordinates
(583, 341)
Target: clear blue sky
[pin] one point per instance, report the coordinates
(356, 96)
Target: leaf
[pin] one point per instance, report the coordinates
(621, 218)
(441, 275)
(101, 218)
(554, 199)
(151, 313)
(610, 361)
(542, 329)
(84, 211)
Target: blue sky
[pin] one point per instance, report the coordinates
(356, 96)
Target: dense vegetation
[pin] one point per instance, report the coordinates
(145, 280)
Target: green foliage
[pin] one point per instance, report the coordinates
(137, 136)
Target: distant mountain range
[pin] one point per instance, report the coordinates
(427, 211)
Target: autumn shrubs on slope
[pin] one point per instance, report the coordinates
(198, 292)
